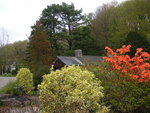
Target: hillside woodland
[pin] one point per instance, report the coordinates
(120, 32)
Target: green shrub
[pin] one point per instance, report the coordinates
(38, 74)
(71, 90)
(123, 96)
(128, 97)
(11, 88)
(14, 72)
(8, 89)
(25, 80)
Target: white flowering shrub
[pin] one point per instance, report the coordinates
(25, 80)
(71, 90)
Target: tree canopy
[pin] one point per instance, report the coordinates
(113, 22)
(61, 22)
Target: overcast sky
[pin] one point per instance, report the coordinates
(17, 16)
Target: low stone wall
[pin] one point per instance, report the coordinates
(19, 104)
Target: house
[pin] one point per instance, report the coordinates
(78, 59)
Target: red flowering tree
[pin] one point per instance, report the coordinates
(137, 67)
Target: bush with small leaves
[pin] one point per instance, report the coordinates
(25, 80)
(121, 94)
(71, 90)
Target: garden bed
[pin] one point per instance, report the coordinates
(19, 104)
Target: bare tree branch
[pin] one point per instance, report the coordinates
(4, 37)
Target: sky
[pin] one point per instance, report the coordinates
(17, 16)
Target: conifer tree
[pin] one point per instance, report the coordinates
(39, 52)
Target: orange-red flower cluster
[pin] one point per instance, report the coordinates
(138, 67)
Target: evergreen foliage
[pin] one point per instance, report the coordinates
(25, 80)
(39, 52)
(136, 40)
(71, 90)
(61, 21)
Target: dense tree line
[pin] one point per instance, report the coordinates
(114, 23)
(15, 54)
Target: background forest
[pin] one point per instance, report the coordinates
(61, 29)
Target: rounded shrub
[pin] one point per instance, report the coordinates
(71, 90)
(25, 80)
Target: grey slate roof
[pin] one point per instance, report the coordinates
(92, 59)
(68, 60)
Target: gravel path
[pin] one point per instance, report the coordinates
(27, 109)
(5, 80)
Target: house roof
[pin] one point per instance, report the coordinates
(68, 60)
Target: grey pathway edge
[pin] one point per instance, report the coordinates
(6, 80)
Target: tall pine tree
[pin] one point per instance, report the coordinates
(59, 21)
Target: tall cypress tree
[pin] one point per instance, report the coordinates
(39, 52)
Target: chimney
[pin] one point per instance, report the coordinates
(78, 53)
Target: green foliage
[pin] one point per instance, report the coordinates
(104, 21)
(113, 22)
(38, 74)
(14, 72)
(128, 96)
(19, 49)
(60, 20)
(136, 40)
(8, 75)
(13, 54)
(121, 95)
(84, 41)
(71, 90)
(13, 88)
(25, 80)
(8, 89)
